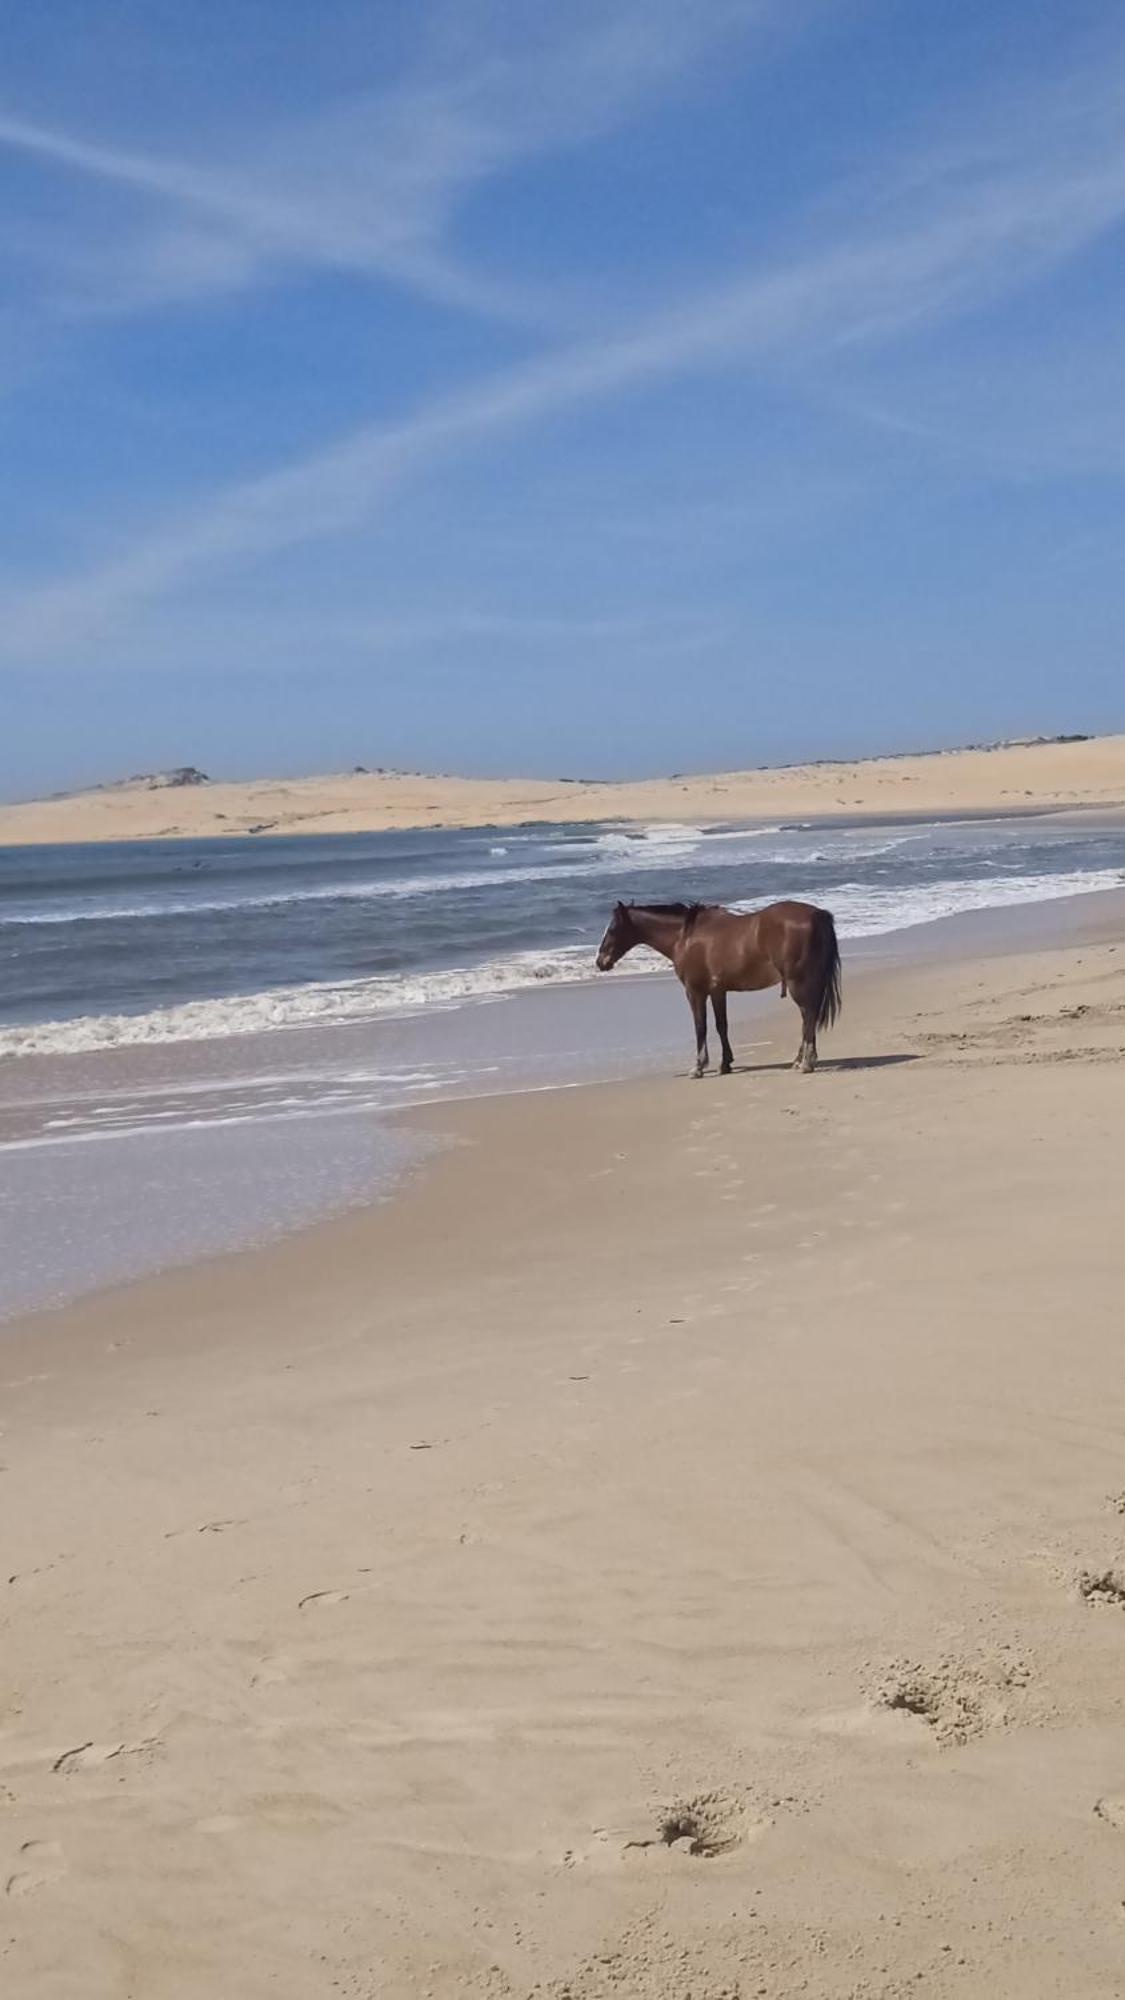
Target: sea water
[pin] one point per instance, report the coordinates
(196, 1037)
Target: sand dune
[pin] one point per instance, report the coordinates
(1019, 776)
(677, 1549)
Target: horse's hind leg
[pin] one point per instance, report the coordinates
(719, 1007)
(806, 1054)
(697, 1001)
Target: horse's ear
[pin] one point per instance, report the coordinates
(619, 909)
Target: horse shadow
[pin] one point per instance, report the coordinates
(825, 1065)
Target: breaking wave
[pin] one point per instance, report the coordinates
(861, 910)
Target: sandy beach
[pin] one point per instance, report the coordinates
(674, 1548)
(1017, 777)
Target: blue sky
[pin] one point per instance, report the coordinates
(586, 388)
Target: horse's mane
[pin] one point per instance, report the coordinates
(688, 911)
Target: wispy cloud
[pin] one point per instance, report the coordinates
(1000, 227)
(370, 183)
(229, 229)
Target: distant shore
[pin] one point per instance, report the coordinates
(1010, 777)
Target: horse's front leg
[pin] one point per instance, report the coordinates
(697, 1001)
(719, 1005)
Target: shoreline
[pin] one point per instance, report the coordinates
(636, 1559)
(1059, 776)
(601, 1033)
(436, 1137)
(423, 1134)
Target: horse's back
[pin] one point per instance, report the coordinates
(748, 952)
(791, 912)
(787, 930)
(761, 928)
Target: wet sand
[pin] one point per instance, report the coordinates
(676, 1548)
(1009, 778)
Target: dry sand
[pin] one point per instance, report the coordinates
(1019, 776)
(675, 1549)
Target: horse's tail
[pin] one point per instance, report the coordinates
(830, 998)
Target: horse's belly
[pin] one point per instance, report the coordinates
(756, 978)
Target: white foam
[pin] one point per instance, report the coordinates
(654, 846)
(864, 911)
(860, 909)
(318, 1004)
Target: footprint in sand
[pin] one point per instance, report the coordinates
(40, 1862)
(1112, 1810)
(25, 1575)
(205, 1528)
(84, 1756)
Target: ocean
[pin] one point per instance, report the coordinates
(197, 1037)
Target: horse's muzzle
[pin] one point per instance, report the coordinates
(604, 962)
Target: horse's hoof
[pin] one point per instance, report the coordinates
(726, 1069)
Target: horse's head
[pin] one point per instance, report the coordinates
(619, 938)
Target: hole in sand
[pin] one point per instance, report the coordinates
(913, 1698)
(955, 1700)
(1102, 1586)
(703, 1826)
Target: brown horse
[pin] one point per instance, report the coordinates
(716, 952)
